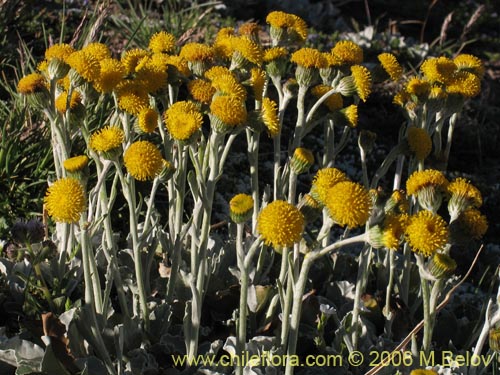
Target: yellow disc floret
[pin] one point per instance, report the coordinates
(76, 163)
(391, 65)
(143, 160)
(426, 233)
(183, 120)
(162, 42)
(420, 142)
(65, 200)
(348, 53)
(241, 207)
(362, 81)
(270, 116)
(324, 179)
(280, 224)
(348, 203)
(106, 139)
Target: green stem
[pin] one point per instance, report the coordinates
(241, 338)
(300, 124)
(253, 159)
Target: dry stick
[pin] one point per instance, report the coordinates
(419, 326)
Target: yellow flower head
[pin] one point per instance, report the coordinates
(325, 179)
(197, 52)
(86, 65)
(422, 179)
(223, 44)
(275, 53)
(462, 196)
(216, 71)
(469, 63)
(351, 114)
(147, 120)
(280, 224)
(131, 58)
(391, 65)
(420, 142)
(302, 159)
(347, 53)
(298, 28)
(31, 84)
(439, 69)
(227, 84)
(76, 163)
(417, 86)
(257, 81)
(473, 223)
(62, 100)
(250, 29)
(393, 230)
(228, 109)
(437, 93)
(285, 25)
(58, 51)
(112, 73)
(183, 120)
(248, 49)
(132, 96)
(201, 90)
(65, 200)
(426, 233)
(465, 84)
(270, 116)
(98, 51)
(441, 265)
(162, 42)
(348, 203)
(362, 81)
(401, 98)
(309, 58)
(397, 202)
(334, 102)
(143, 160)
(106, 139)
(152, 73)
(279, 19)
(179, 64)
(241, 207)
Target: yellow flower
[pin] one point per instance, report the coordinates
(351, 114)
(437, 93)
(143, 160)
(441, 265)
(112, 72)
(325, 179)
(131, 58)
(162, 42)
(401, 98)
(280, 224)
(346, 52)
(397, 202)
(132, 96)
(76, 163)
(428, 186)
(240, 208)
(98, 51)
(231, 111)
(391, 65)
(65, 200)
(183, 120)
(333, 102)
(309, 58)
(248, 49)
(201, 90)
(348, 203)
(298, 28)
(417, 86)
(270, 116)
(179, 64)
(394, 228)
(62, 100)
(216, 71)
(463, 195)
(223, 44)
(279, 19)
(86, 65)
(362, 81)
(274, 53)
(152, 73)
(420, 142)
(197, 52)
(473, 223)
(465, 84)
(302, 159)
(426, 233)
(58, 51)
(147, 120)
(469, 63)
(439, 69)
(227, 84)
(106, 139)
(31, 84)
(257, 81)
